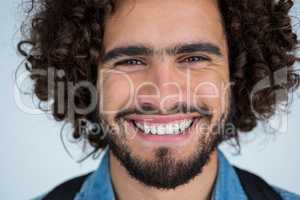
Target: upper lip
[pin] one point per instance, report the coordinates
(161, 118)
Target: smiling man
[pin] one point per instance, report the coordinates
(159, 85)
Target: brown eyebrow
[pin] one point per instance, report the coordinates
(142, 50)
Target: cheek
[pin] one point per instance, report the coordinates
(211, 88)
(116, 91)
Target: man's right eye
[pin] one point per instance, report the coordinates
(130, 65)
(129, 62)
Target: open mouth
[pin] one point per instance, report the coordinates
(158, 127)
(173, 128)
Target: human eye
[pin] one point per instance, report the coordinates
(129, 62)
(129, 65)
(194, 59)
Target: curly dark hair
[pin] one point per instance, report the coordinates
(67, 35)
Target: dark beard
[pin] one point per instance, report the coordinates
(165, 172)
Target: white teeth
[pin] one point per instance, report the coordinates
(161, 130)
(153, 130)
(140, 126)
(176, 128)
(146, 128)
(166, 128)
(182, 125)
(187, 123)
(169, 129)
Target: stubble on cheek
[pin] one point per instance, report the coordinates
(116, 92)
(215, 92)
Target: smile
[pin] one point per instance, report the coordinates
(173, 128)
(163, 126)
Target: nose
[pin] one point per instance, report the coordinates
(162, 88)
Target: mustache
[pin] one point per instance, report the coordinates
(179, 108)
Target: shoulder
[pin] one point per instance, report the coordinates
(257, 188)
(67, 189)
(286, 195)
(41, 197)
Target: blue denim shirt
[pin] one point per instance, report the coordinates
(98, 185)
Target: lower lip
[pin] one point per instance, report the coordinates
(166, 138)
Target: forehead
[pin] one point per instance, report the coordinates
(163, 23)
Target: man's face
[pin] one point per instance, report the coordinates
(163, 82)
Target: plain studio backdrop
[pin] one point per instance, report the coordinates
(33, 159)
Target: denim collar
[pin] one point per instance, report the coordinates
(227, 185)
(98, 185)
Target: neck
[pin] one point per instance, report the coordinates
(199, 188)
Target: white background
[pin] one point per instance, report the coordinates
(33, 159)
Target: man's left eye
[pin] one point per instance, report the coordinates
(194, 59)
